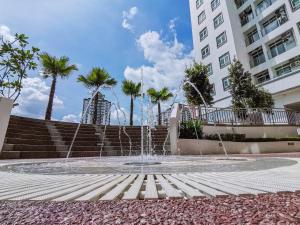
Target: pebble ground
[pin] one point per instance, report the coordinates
(283, 208)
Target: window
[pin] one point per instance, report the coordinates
(292, 66)
(246, 16)
(201, 17)
(262, 77)
(295, 4)
(199, 3)
(213, 90)
(218, 20)
(257, 57)
(221, 39)
(209, 69)
(205, 51)
(226, 83)
(239, 3)
(285, 43)
(279, 17)
(203, 34)
(224, 60)
(214, 4)
(252, 36)
(263, 5)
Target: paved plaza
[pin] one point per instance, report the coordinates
(172, 177)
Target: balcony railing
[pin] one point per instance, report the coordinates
(281, 48)
(273, 25)
(257, 60)
(263, 5)
(246, 117)
(288, 68)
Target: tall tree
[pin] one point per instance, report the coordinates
(94, 80)
(16, 59)
(198, 75)
(159, 96)
(245, 94)
(53, 67)
(133, 90)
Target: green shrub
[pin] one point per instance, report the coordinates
(191, 129)
(226, 137)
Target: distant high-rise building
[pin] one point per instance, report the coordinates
(103, 110)
(263, 34)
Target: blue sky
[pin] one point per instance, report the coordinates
(155, 35)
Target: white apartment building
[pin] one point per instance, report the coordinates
(263, 34)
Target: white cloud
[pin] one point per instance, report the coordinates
(127, 17)
(168, 60)
(71, 118)
(34, 98)
(117, 115)
(6, 33)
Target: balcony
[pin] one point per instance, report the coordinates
(295, 4)
(291, 67)
(278, 18)
(252, 36)
(263, 5)
(262, 77)
(257, 57)
(285, 43)
(246, 16)
(239, 3)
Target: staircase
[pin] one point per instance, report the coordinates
(33, 138)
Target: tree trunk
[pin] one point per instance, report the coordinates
(131, 111)
(96, 98)
(159, 113)
(51, 98)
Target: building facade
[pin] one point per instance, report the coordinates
(263, 34)
(103, 110)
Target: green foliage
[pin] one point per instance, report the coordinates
(16, 59)
(244, 93)
(132, 89)
(198, 75)
(96, 78)
(226, 137)
(192, 129)
(157, 97)
(53, 66)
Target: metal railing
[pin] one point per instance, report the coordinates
(243, 117)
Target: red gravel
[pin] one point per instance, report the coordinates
(265, 209)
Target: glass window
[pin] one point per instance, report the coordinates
(214, 4)
(252, 36)
(205, 51)
(224, 60)
(209, 69)
(213, 91)
(226, 83)
(262, 77)
(218, 20)
(203, 34)
(257, 57)
(295, 4)
(221, 39)
(285, 43)
(199, 3)
(201, 17)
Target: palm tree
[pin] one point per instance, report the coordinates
(159, 96)
(55, 67)
(132, 89)
(95, 79)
